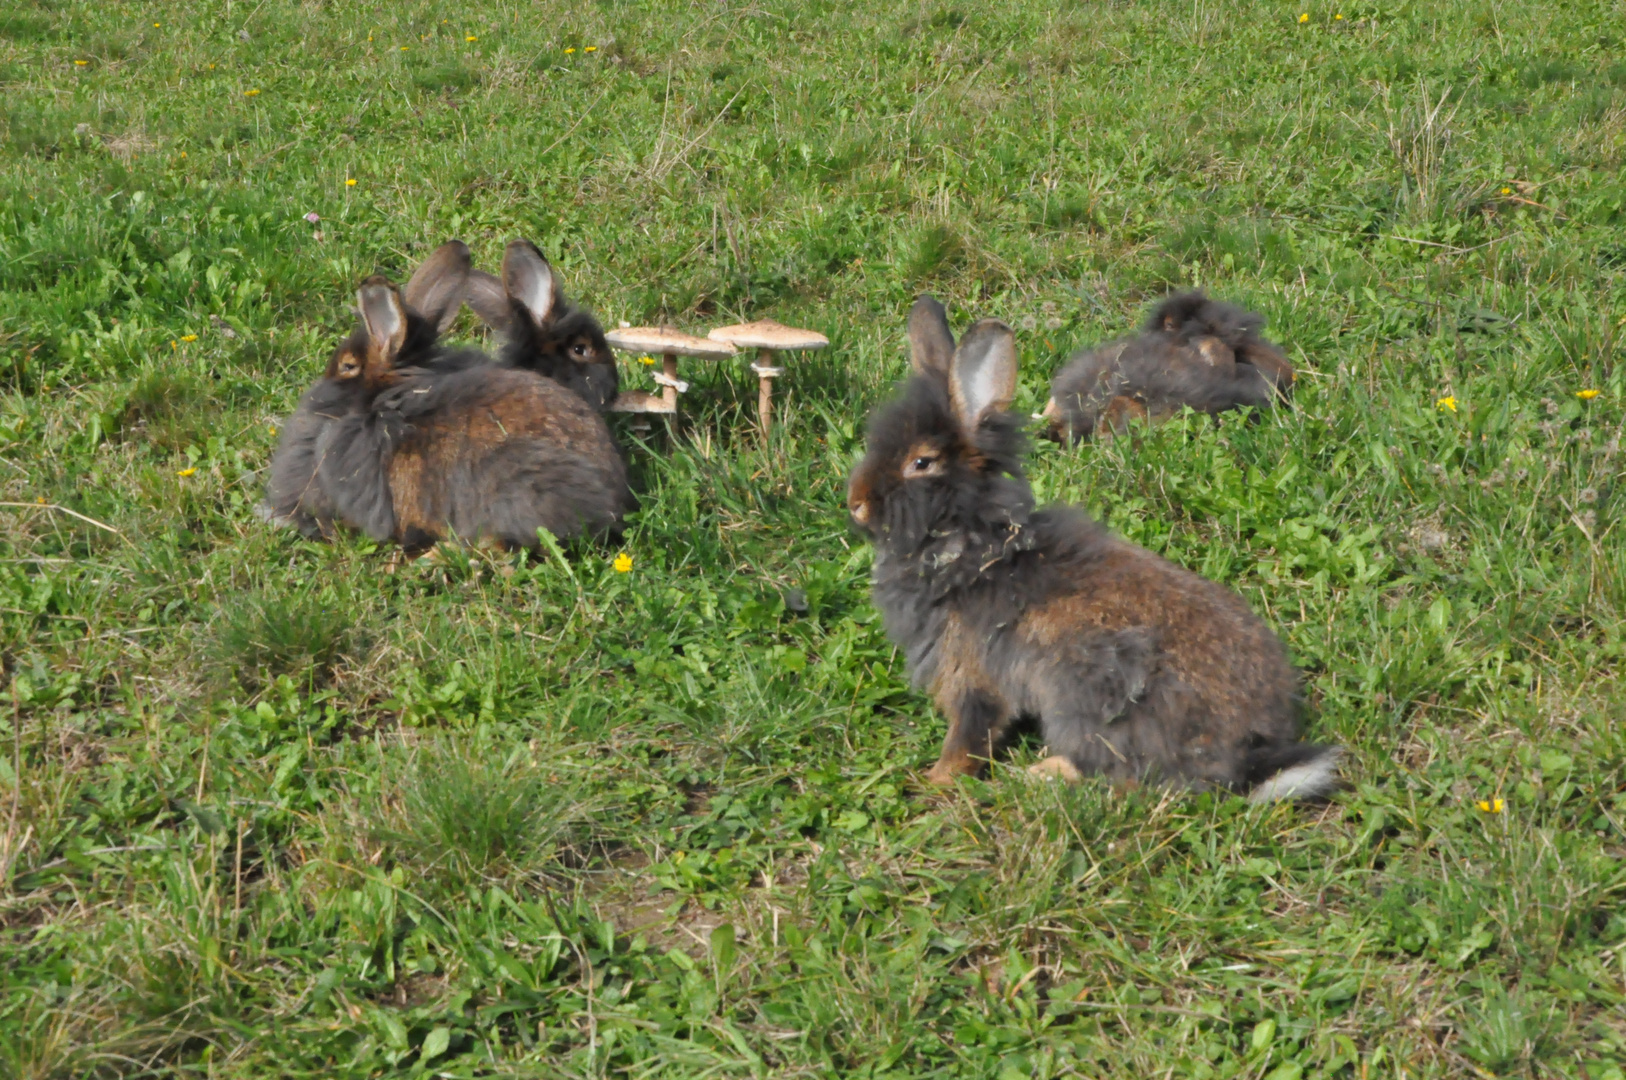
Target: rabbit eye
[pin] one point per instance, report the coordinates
(924, 465)
(578, 350)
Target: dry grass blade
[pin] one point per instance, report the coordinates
(1419, 136)
(53, 507)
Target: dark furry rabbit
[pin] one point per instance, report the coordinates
(1192, 351)
(451, 446)
(1133, 667)
(433, 296)
(545, 333)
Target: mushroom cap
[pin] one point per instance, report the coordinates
(767, 334)
(659, 339)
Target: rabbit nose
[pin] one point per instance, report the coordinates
(1051, 410)
(860, 512)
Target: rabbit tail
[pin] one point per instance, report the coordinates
(1292, 771)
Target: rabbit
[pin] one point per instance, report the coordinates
(454, 446)
(1192, 351)
(433, 296)
(544, 332)
(1133, 668)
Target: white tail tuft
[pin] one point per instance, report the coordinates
(1313, 779)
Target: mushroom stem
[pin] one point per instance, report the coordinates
(765, 365)
(668, 391)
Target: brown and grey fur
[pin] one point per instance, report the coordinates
(1132, 667)
(493, 454)
(543, 331)
(417, 444)
(1193, 352)
(432, 297)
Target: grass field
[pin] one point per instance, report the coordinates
(271, 809)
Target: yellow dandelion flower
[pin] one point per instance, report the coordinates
(570, 50)
(471, 37)
(591, 48)
(172, 344)
(156, 25)
(1507, 191)
(211, 67)
(189, 337)
(251, 93)
(80, 63)
(1304, 18)
(646, 359)
(1490, 806)
(1337, 18)
(623, 563)
(183, 153)
(40, 500)
(1446, 404)
(273, 429)
(350, 183)
(188, 472)
(404, 48)
(1587, 395)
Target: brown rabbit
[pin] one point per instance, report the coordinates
(432, 297)
(544, 332)
(1133, 667)
(424, 444)
(1192, 351)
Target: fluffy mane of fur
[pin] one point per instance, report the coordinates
(977, 540)
(987, 507)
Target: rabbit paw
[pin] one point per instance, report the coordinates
(942, 775)
(1056, 767)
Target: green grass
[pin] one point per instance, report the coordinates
(272, 808)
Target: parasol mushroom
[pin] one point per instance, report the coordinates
(768, 338)
(670, 344)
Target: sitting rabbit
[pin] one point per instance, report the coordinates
(1133, 668)
(433, 296)
(417, 444)
(1192, 351)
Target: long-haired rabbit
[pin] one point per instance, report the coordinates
(432, 298)
(482, 452)
(1192, 351)
(1133, 667)
(544, 332)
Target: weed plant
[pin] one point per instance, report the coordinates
(275, 807)
(258, 637)
(463, 819)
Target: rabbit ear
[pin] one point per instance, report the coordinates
(530, 281)
(984, 377)
(489, 300)
(437, 287)
(384, 319)
(931, 343)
